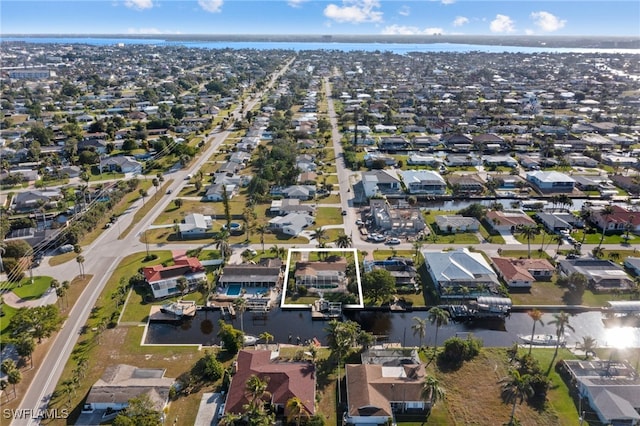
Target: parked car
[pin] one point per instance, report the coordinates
(393, 241)
(344, 212)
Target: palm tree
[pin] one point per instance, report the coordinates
(432, 391)
(278, 251)
(536, 316)
(588, 345)
(222, 243)
(343, 241)
(561, 321)
(14, 377)
(296, 410)
(419, 327)
(606, 212)
(240, 305)
(182, 285)
(417, 245)
(80, 260)
(516, 387)
(529, 231)
(267, 337)
(557, 239)
(439, 317)
(319, 234)
(229, 419)
(261, 230)
(255, 389)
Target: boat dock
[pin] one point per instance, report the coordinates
(323, 310)
(173, 311)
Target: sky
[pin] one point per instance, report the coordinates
(447, 17)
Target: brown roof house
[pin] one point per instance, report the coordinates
(285, 381)
(521, 273)
(508, 220)
(120, 383)
(376, 392)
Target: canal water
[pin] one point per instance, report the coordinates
(287, 326)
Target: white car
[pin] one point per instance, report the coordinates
(393, 241)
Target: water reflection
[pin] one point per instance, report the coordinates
(287, 326)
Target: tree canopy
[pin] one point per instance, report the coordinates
(378, 284)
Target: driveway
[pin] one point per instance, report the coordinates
(509, 238)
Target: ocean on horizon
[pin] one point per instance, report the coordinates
(398, 48)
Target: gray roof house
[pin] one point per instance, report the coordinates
(214, 191)
(380, 181)
(454, 224)
(633, 265)
(195, 225)
(555, 222)
(459, 268)
(248, 275)
(121, 383)
(603, 275)
(612, 389)
(290, 205)
(551, 181)
(291, 224)
(31, 200)
(120, 164)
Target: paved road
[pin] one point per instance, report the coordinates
(102, 257)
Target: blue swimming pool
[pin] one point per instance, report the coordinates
(234, 290)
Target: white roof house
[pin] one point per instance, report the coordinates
(457, 223)
(195, 224)
(551, 181)
(291, 224)
(423, 182)
(459, 268)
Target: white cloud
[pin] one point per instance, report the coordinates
(410, 30)
(448, 1)
(354, 11)
(404, 11)
(460, 21)
(139, 4)
(295, 3)
(502, 24)
(529, 32)
(547, 21)
(213, 6)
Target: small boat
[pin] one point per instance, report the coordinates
(172, 309)
(541, 339)
(249, 340)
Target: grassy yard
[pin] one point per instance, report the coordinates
(594, 238)
(29, 291)
(535, 254)
(331, 199)
(173, 214)
(328, 216)
(548, 293)
(148, 203)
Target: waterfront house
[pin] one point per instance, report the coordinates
(521, 273)
(376, 392)
(466, 183)
(378, 182)
(322, 275)
(551, 181)
(396, 220)
(459, 268)
(423, 182)
(163, 280)
(602, 275)
(508, 220)
(265, 274)
(285, 380)
(455, 224)
(121, 383)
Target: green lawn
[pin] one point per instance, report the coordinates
(28, 291)
(7, 313)
(594, 238)
(535, 254)
(173, 214)
(331, 199)
(328, 216)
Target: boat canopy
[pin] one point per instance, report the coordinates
(494, 301)
(629, 306)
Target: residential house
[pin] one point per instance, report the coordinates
(195, 225)
(521, 273)
(461, 160)
(377, 182)
(420, 159)
(290, 205)
(375, 392)
(459, 268)
(425, 142)
(300, 192)
(556, 222)
(267, 274)
(631, 184)
(28, 201)
(499, 160)
(285, 380)
(551, 181)
(121, 383)
(120, 164)
(393, 144)
(307, 178)
(292, 223)
(466, 183)
(163, 280)
(488, 142)
(240, 157)
(97, 145)
(602, 275)
(458, 142)
(508, 220)
(612, 389)
(423, 182)
(397, 220)
(619, 220)
(322, 275)
(372, 159)
(214, 192)
(401, 269)
(633, 265)
(455, 224)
